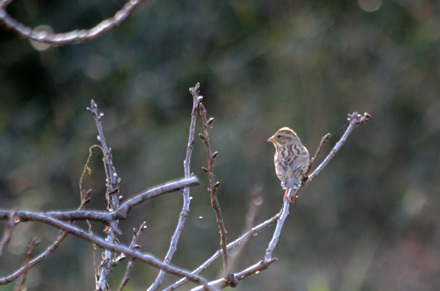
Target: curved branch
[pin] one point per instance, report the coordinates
(154, 192)
(104, 216)
(74, 36)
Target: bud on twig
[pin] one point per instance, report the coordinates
(214, 155)
(205, 170)
(209, 122)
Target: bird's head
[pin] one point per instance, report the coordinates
(283, 136)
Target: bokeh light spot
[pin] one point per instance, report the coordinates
(370, 5)
(41, 31)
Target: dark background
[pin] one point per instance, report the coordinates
(369, 222)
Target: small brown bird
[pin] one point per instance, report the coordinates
(291, 158)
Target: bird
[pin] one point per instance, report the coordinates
(291, 159)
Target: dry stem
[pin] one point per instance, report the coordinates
(213, 186)
(7, 234)
(49, 250)
(27, 258)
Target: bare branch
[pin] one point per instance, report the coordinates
(313, 160)
(154, 192)
(133, 245)
(65, 215)
(74, 36)
(274, 241)
(104, 216)
(7, 279)
(27, 258)
(243, 238)
(252, 270)
(112, 181)
(7, 234)
(112, 195)
(355, 119)
(213, 186)
(49, 250)
(119, 248)
(195, 92)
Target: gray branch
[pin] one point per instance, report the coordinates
(119, 248)
(195, 92)
(74, 36)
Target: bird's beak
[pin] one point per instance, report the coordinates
(271, 139)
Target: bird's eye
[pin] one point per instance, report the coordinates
(278, 136)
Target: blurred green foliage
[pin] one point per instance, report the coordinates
(368, 222)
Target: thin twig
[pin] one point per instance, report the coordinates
(27, 258)
(133, 245)
(195, 92)
(49, 250)
(74, 36)
(112, 179)
(355, 119)
(112, 195)
(249, 271)
(7, 234)
(313, 160)
(213, 186)
(244, 237)
(119, 248)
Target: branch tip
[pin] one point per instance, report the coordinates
(358, 119)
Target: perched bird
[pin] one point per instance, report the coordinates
(291, 158)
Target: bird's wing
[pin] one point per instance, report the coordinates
(300, 161)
